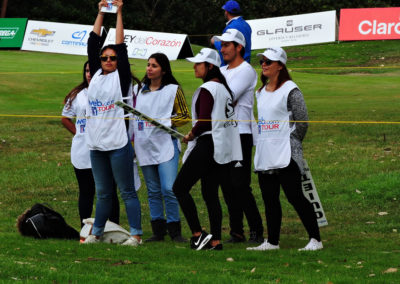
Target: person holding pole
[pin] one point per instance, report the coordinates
(111, 152)
(160, 96)
(282, 126)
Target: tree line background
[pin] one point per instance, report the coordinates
(197, 18)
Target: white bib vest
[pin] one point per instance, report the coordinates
(245, 102)
(224, 130)
(273, 145)
(152, 145)
(106, 128)
(80, 157)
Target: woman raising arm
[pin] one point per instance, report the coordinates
(111, 152)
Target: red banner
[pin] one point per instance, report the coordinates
(369, 24)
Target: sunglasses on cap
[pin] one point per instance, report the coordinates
(104, 58)
(267, 62)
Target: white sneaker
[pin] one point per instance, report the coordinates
(264, 246)
(133, 242)
(91, 239)
(312, 245)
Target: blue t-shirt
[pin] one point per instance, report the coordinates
(241, 25)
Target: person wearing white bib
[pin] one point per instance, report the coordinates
(75, 104)
(214, 144)
(279, 156)
(242, 79)
(111, 152)
(160, 96)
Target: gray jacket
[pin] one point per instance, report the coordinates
(297, 106)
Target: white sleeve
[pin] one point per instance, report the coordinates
(69, 111)
(248, 80)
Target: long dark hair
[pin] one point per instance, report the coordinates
(113, 47)
(215, 73)
(167, 78)
(75, 91)
(282, 77)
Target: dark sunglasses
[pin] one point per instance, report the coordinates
(267, 62)
(105, 58)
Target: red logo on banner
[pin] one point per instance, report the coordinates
(369, 24)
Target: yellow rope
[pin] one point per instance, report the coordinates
(191, 70)
(298, 121)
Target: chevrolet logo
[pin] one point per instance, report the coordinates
(43, 32)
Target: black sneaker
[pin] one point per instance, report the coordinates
(236, 238)
(255, 238)
(199, 242)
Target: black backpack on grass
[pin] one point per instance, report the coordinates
(42, 222)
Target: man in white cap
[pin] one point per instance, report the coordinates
(232, 12)
(242, 79)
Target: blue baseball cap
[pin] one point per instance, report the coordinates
(232, 6)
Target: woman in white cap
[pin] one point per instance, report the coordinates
(279, 156)
(214, 143)
(111, 152)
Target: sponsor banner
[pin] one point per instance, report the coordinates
(142, 44)
(310, 192)
(293, 30)
(369, 24)
(12, 32)
(56, 37)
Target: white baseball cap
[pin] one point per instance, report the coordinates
(274, 54)
(231, 35)
(206, 55)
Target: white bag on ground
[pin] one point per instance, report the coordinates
(113, 233)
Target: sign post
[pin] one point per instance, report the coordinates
(142, 44)
(310, 192)
(56, 37)
(293, 30)
(369, 24)
(12, 32)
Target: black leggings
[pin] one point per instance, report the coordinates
(87, 191)
(290, 179)
(200, 164)
(241, 177)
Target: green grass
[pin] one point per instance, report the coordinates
(355, 168)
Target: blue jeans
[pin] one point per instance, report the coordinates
(159, 181)
(118, 164)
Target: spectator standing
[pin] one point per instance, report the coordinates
(160, 97)
(214, 145)
(242, 80)
(232, 12)
(75, 108)
(111, 152)
(279, 156)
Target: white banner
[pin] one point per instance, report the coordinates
(56, 37)
(293, 30)
(142, 44)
